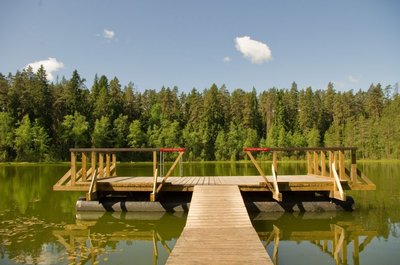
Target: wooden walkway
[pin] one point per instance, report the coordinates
(218, 230)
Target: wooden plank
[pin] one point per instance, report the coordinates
(309, 164)
(353, 170)
(245, 183)
(275, 161)
(93, 163)
(84, 167)
(341, 165)
(331, 161)
(114, 164)
(170, 171)
(218, 230)
(64, 178)
(323, 164)
(101, 165)
(316, 169)
(154, 162)
(108, 164)
(73, 168)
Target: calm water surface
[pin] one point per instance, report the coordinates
(39, 226)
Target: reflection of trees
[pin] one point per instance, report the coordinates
(83, 245)
(27, 191)
(87, 242)
(23, 238)
(381, 205)
(335, 235)
(33, 240)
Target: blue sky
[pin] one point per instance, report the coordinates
(196, 43)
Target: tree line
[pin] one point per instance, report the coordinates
(40, 121)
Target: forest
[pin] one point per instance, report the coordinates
(40, 121)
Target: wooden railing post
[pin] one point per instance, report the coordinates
(73, 168)
(331, 161)
(323, 165)
(92, 193)
(316, 170)
(337, 191)
(309, 164)
(353, 169)
(342, 171)
(154, 162)
(114, 163)
(84, 166)
(108, 164)
(93, 163)
(275, 161)
(101, 165)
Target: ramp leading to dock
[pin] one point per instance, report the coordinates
(218, 230)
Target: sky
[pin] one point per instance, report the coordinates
(193, 44)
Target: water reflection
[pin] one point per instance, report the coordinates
(337, 235)
(97, 237)
(31, 214)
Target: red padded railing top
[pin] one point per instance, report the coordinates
(257, 149)
(171, 150)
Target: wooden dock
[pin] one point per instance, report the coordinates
(326, 172)
(218, 230)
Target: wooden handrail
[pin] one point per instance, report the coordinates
(277, 195)
(91, 195)
(291, 149)
(274, 188)
(170, 171)
(153, 195)
(113, 150)
(337, 186)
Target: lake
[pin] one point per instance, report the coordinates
(39, 226)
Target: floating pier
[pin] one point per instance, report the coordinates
(218, 228)
(328, 172)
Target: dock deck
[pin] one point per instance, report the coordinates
(245, 183)
(218, 230)
(326, 171)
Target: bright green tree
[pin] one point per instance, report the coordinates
(101, 136)
(31, 141)
(75, 130)
(6, 136)
(120, 131)
(136, 137)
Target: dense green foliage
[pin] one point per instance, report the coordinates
(41, 120)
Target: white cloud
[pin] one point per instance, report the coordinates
(353, 79)
(227, 59)
(108, 34)
(255, 51)
(50, 65)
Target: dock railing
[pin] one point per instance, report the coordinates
(317, 158)
(89, 165)
(274, 187)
